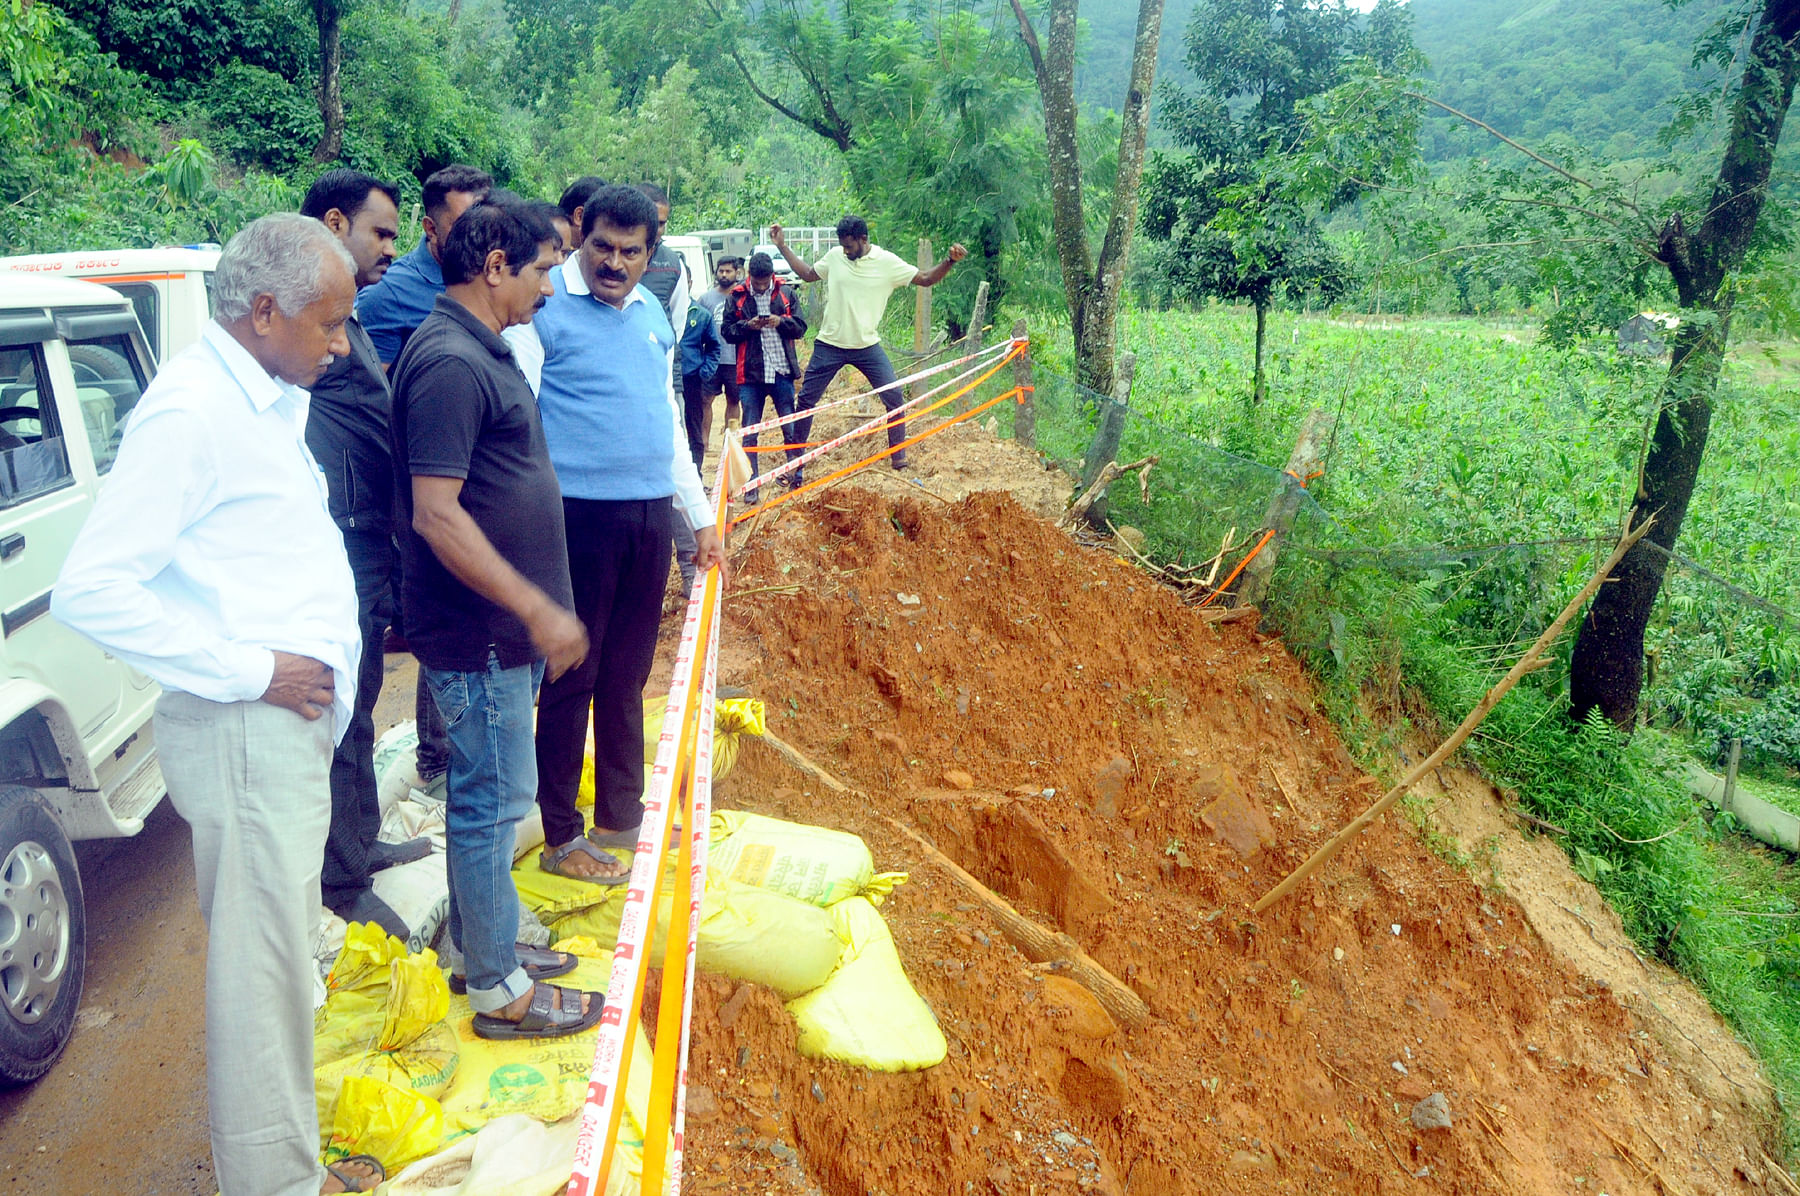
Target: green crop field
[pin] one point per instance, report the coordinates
(1474, 478)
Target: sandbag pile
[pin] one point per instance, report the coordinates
(399, 1074)
(789, 906)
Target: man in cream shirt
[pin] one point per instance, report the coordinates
(859, 278)
(211, 563)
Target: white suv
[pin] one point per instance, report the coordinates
(77, 759)
(171, 288)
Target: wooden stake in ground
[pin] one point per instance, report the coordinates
(1253, 584)
(1039, 943)
(1462, 732)
(1036, 942)
(1025, 419)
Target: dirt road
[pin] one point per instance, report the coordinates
(124, 1109)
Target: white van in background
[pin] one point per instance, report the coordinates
(171, 288)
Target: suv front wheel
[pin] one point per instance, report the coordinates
(43, 933)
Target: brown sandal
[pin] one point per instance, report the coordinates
(552, 859)
(548, 1016)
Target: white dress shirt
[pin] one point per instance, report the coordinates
(528, 351)
(211, 545)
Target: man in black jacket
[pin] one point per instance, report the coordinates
(347, 431)
(763, 321)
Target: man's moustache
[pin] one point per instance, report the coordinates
(613, 276)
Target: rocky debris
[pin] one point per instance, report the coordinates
(1234, 817)
(1108, 786)
(1432, 1113)
(956, 778)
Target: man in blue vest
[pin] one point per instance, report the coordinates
(598, 355)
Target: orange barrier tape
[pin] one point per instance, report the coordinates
(881, 422)
(1013, 394)
(1267, 536)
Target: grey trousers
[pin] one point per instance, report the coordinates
(253, 781)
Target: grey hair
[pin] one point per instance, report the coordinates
(283, 256)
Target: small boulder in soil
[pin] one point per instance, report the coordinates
(1432, 1113)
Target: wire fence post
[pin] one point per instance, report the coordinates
(1025, 415)
(1104, 448)
(922, 302)
(971, 341)
(1303, 462)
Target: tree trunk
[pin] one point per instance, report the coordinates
(329, 14)
(1606, 672)
(1259, 387)
(1104, 448)
(1092, 286)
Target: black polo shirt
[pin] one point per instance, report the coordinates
(463, 410)
(347, 430)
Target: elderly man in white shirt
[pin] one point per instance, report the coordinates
(211, 562)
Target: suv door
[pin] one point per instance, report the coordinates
(41, 509)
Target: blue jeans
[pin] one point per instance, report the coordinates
(492, 784)
(779, 392)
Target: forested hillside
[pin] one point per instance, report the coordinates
(1600, 71)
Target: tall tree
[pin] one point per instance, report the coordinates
(1704, 249)
(330, 17)
(1238, 222)
(1092, 283)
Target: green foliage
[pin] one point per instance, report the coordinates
(1600, 72)
(1277, 136)
(181, 45)
(260, 119)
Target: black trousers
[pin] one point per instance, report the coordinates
(355, 804)
(693, 414)
(619, 564)
(876, 369)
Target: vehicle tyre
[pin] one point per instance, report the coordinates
(92, 363)
(43, 936)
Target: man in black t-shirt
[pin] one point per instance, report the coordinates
(487, 597)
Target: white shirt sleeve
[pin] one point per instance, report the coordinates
(155, 490)
(528, 352)
(690, 495)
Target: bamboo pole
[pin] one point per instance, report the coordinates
(1036, 942)
(1462, 732)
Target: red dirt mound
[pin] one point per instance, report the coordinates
(1124, 772)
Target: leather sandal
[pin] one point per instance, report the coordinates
(552, 858)
(540, 963)
(548, 1016)
(353, 1183)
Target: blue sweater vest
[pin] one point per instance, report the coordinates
(604, 397)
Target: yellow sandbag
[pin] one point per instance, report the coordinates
(811, 863)
(576, 907)
(733, 718)
(766, 938)
(392, 1124)
(545, 1078)
(868, 1013)
(424, 1064)
(745, 933)
(384, 1024)
(378, 996)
